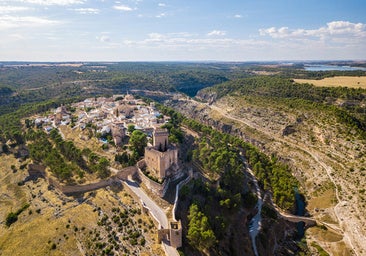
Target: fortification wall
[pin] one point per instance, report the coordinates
(155, 187)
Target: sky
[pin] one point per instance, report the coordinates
(182, 30)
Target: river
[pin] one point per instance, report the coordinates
(300, 211)
(321, 67)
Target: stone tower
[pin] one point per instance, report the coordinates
(175, 234)
(160, 139)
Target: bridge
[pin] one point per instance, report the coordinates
(293, 218)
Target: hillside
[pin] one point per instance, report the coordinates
(54, 224)
(306, 128)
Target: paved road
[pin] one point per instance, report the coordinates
(156, 211)
(169, 251)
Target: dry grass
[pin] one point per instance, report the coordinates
(345, 81)
(324, 235)
(12, 196)
(93, 144)
(322, 201)
(34, 234)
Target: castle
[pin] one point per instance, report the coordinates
(161, 158)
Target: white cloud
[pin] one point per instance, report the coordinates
(238, 16)
(333, 29)
(193, 42)
(161, 4)
(104, 38)
(12, 9)
(217, 33)
(52, 2)
(124, 8)
(161, 15)
(87, 10)
(7, 22)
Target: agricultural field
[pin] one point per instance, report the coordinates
(344, 81)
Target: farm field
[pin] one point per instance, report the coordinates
(346, 81)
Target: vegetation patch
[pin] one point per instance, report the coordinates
(345, 81)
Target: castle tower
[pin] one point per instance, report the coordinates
(175, 234)
(160, 139)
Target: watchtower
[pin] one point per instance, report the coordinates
(175, 234)
(160, 139)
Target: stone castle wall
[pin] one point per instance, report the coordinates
(155, 187)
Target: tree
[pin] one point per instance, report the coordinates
(138, 142)
(200, 234)
(131, 128)
(102, 168)
(11, 218)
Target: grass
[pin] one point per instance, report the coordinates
(328, 219)
(93, 144)
(322, 200)
(320, 250)
(53, 224)
(12, 196)
(30, 234)
(346, 81)
(324, 235)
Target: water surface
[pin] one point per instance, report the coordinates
(320, 67)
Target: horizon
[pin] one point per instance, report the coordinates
(283, 62)
(189, 31)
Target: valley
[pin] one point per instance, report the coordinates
(326, 158)
(247, 149)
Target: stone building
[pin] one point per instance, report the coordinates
(175, 234)
(118, 133)
(161, 159)
(160, 139)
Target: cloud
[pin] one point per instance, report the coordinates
(333, 29)
(161, 4)
(183, 40)
(161, 15)
(7, 22)
(12, 9)
(124, 8)
(238, 16)
(87, 10)
(52, 2)
(104, 38)
(217, 33)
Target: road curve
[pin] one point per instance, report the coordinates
(155, 210)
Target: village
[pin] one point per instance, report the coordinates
(113, 120)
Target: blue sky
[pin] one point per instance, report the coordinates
(177, 30)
